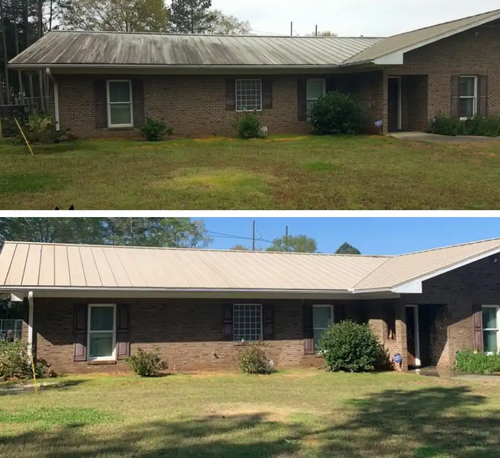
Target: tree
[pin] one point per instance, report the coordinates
(116, 15)
(297, 243)
(191, 16)
(323, 33)
(345, 248)
(239, 248)
(229, 25)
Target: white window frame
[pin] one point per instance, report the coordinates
(236, 94)
(261, 323)
(497, 329)
(113, 354)
(311, 99)
(110, 125)
(473, 97)
(332, 318)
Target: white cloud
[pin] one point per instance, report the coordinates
(350, 18)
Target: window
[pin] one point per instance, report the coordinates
(468, 96)
(101, 338)
(10, 330)
(120, 104)
(322, 319)
(248, 95)
(315, 89)
(490, 328)
(247, 322)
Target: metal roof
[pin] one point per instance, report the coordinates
(25, 265)
(421, 36)
(115, 48)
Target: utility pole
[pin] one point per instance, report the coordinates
(286, 238)
(291, 29)
(253, 236)
(316, 32)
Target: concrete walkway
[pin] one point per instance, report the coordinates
(434, 138)
(434, 372)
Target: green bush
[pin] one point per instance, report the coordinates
(352, 347)
(478, 125)
(40, 128)
(336, 113)
(248, 126)
(476, 363)
(252, 359)
(154, 130)
(15, 362)
(147, 363)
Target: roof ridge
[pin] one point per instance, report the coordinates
(447, 246)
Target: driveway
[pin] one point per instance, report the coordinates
(434, 138)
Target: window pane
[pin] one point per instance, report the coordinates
(490, 341)
(490, 317)
(314, 88)
(247, 322)
(248, 95)
(101, 344)
(101, 318)
(119, 91)
(318, 334)
(321, 317)
(120, 113)
(467, 86)
(310, 103)
(466, 108)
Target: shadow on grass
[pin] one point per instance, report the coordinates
(43, 385)
(437, 422)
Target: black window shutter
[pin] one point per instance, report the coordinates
(477, 317)
(338, 313)
(268, 321)
(307, 321)
(267, 94)
(101, 104)
(227, 322)
(301, 99)
(122, 331)
(80, 332)
(230, 94)
(455, 96)
(331, 84)
(482, 96)
(138, 102)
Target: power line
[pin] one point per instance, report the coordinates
(232, 236)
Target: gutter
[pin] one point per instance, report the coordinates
(30, 324)
(56, 99)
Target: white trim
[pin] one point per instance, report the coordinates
(497, 329)
(400, 101)
(236, 94)
(108, 103)
(261, 321)
(473, 97)
(113, 354)
(418, 361)
(323, 80)
(31, 306)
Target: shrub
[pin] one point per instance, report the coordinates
(352, 347)
(40, 128)
(15, 362)
(154, 130)
(147, 364)
(336, 113)
(248, 126)
(478, 125)
(477, 363)
(252, 359)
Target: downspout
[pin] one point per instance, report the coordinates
(30, 324)
(56, 99)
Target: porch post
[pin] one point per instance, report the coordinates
(401, 342)
(385, 102)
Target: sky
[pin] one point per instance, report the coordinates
(349, 18)
(388, 235)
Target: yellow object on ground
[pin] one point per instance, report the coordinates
(24, 136)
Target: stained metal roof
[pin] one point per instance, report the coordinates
(49, 266)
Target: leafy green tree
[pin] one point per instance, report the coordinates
(228, 25)
(297, 243)
(191, 16)
(345, 248)
(239, 248)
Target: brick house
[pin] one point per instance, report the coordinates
(88, 307)
(106, 83)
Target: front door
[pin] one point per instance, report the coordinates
(412, 336)
(394, 104)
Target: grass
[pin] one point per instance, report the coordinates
(306, 172)
(291, 414)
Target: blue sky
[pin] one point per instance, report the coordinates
(369, 235)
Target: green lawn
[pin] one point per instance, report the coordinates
(304, 414)
(279, 173)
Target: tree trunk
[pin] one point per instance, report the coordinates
(41, 76)
(5, 53)
(19, 73)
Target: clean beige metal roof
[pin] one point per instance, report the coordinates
(91, 266)
(421, 36)
(115, 48)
